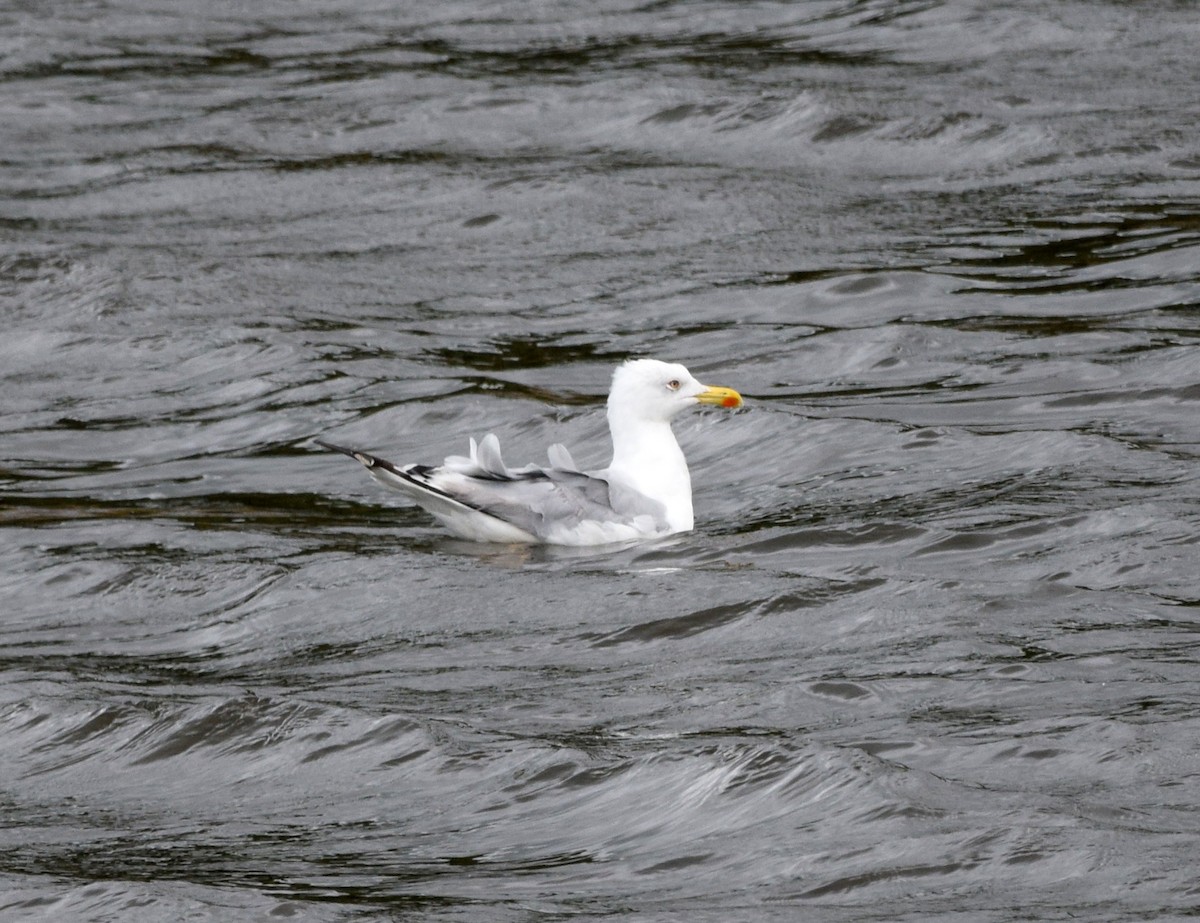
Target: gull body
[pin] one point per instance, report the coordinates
(645, 492)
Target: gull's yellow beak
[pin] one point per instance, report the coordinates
(720, 397)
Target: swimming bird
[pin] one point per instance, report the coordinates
(645, 492)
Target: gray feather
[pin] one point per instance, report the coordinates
(488, 456)
(535, 499)
(560, 458)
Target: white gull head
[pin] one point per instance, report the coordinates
(646, 394)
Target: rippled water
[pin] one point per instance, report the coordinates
(932, 649)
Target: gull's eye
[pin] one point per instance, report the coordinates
(673, 384)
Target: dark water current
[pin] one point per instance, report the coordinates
(932, 650)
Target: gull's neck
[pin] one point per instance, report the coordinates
(647, 458)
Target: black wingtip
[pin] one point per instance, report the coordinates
(334, 448)
(362, 457)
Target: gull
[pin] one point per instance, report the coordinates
(645, 492)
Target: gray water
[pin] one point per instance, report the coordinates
(931, 651)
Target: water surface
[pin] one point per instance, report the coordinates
(931, 651)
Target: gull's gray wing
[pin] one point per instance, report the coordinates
(547, 503)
